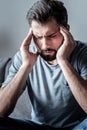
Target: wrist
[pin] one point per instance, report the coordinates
(62, 62)
(26, 67)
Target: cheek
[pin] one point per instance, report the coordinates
(58, 42)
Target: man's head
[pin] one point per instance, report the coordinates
(45, 18)
(44, 10)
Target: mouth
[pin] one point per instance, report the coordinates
(48, 52)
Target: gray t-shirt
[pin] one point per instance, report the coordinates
(52, 101)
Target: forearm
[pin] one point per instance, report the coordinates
(77, 84)
(10, 93)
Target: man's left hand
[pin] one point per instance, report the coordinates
(67, 46)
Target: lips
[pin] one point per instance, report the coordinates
(47, 52)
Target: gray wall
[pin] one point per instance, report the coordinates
(14, 26)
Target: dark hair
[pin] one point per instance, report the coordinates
(44, 10)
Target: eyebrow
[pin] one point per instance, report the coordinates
(52, 34)
(49, 35)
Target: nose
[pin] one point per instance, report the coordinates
(45, 43)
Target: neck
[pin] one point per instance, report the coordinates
(54, 62)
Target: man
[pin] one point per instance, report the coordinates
(54, 69)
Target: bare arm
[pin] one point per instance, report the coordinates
(77, 84)
(10, 93)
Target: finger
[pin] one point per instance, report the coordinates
(65, 29)
(63, 33)
(67, 32)
(68, 36)
(28, 38)
(29, 33)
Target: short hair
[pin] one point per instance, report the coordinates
(44, 10)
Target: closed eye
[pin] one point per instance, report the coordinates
(48, 36)
(36, 37)
(52, 36)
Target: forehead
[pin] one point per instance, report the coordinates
(43, 29)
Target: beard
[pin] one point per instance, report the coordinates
(48, 54)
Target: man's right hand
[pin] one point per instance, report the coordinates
(28, 58)
(10, 93)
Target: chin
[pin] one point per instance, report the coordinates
(48, 57)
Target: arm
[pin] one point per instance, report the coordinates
(10, 93)
(77, 84)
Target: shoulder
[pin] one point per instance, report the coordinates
(17, 56)
(81, 46)
(17, 60)
(80, 50)
(79, 56)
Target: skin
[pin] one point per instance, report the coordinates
(50, 36)
(47, 37)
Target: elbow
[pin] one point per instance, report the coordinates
(6, 107)
(5, 111)
(85, 110)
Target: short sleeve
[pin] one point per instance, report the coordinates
(15, 65)
(83, 63)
